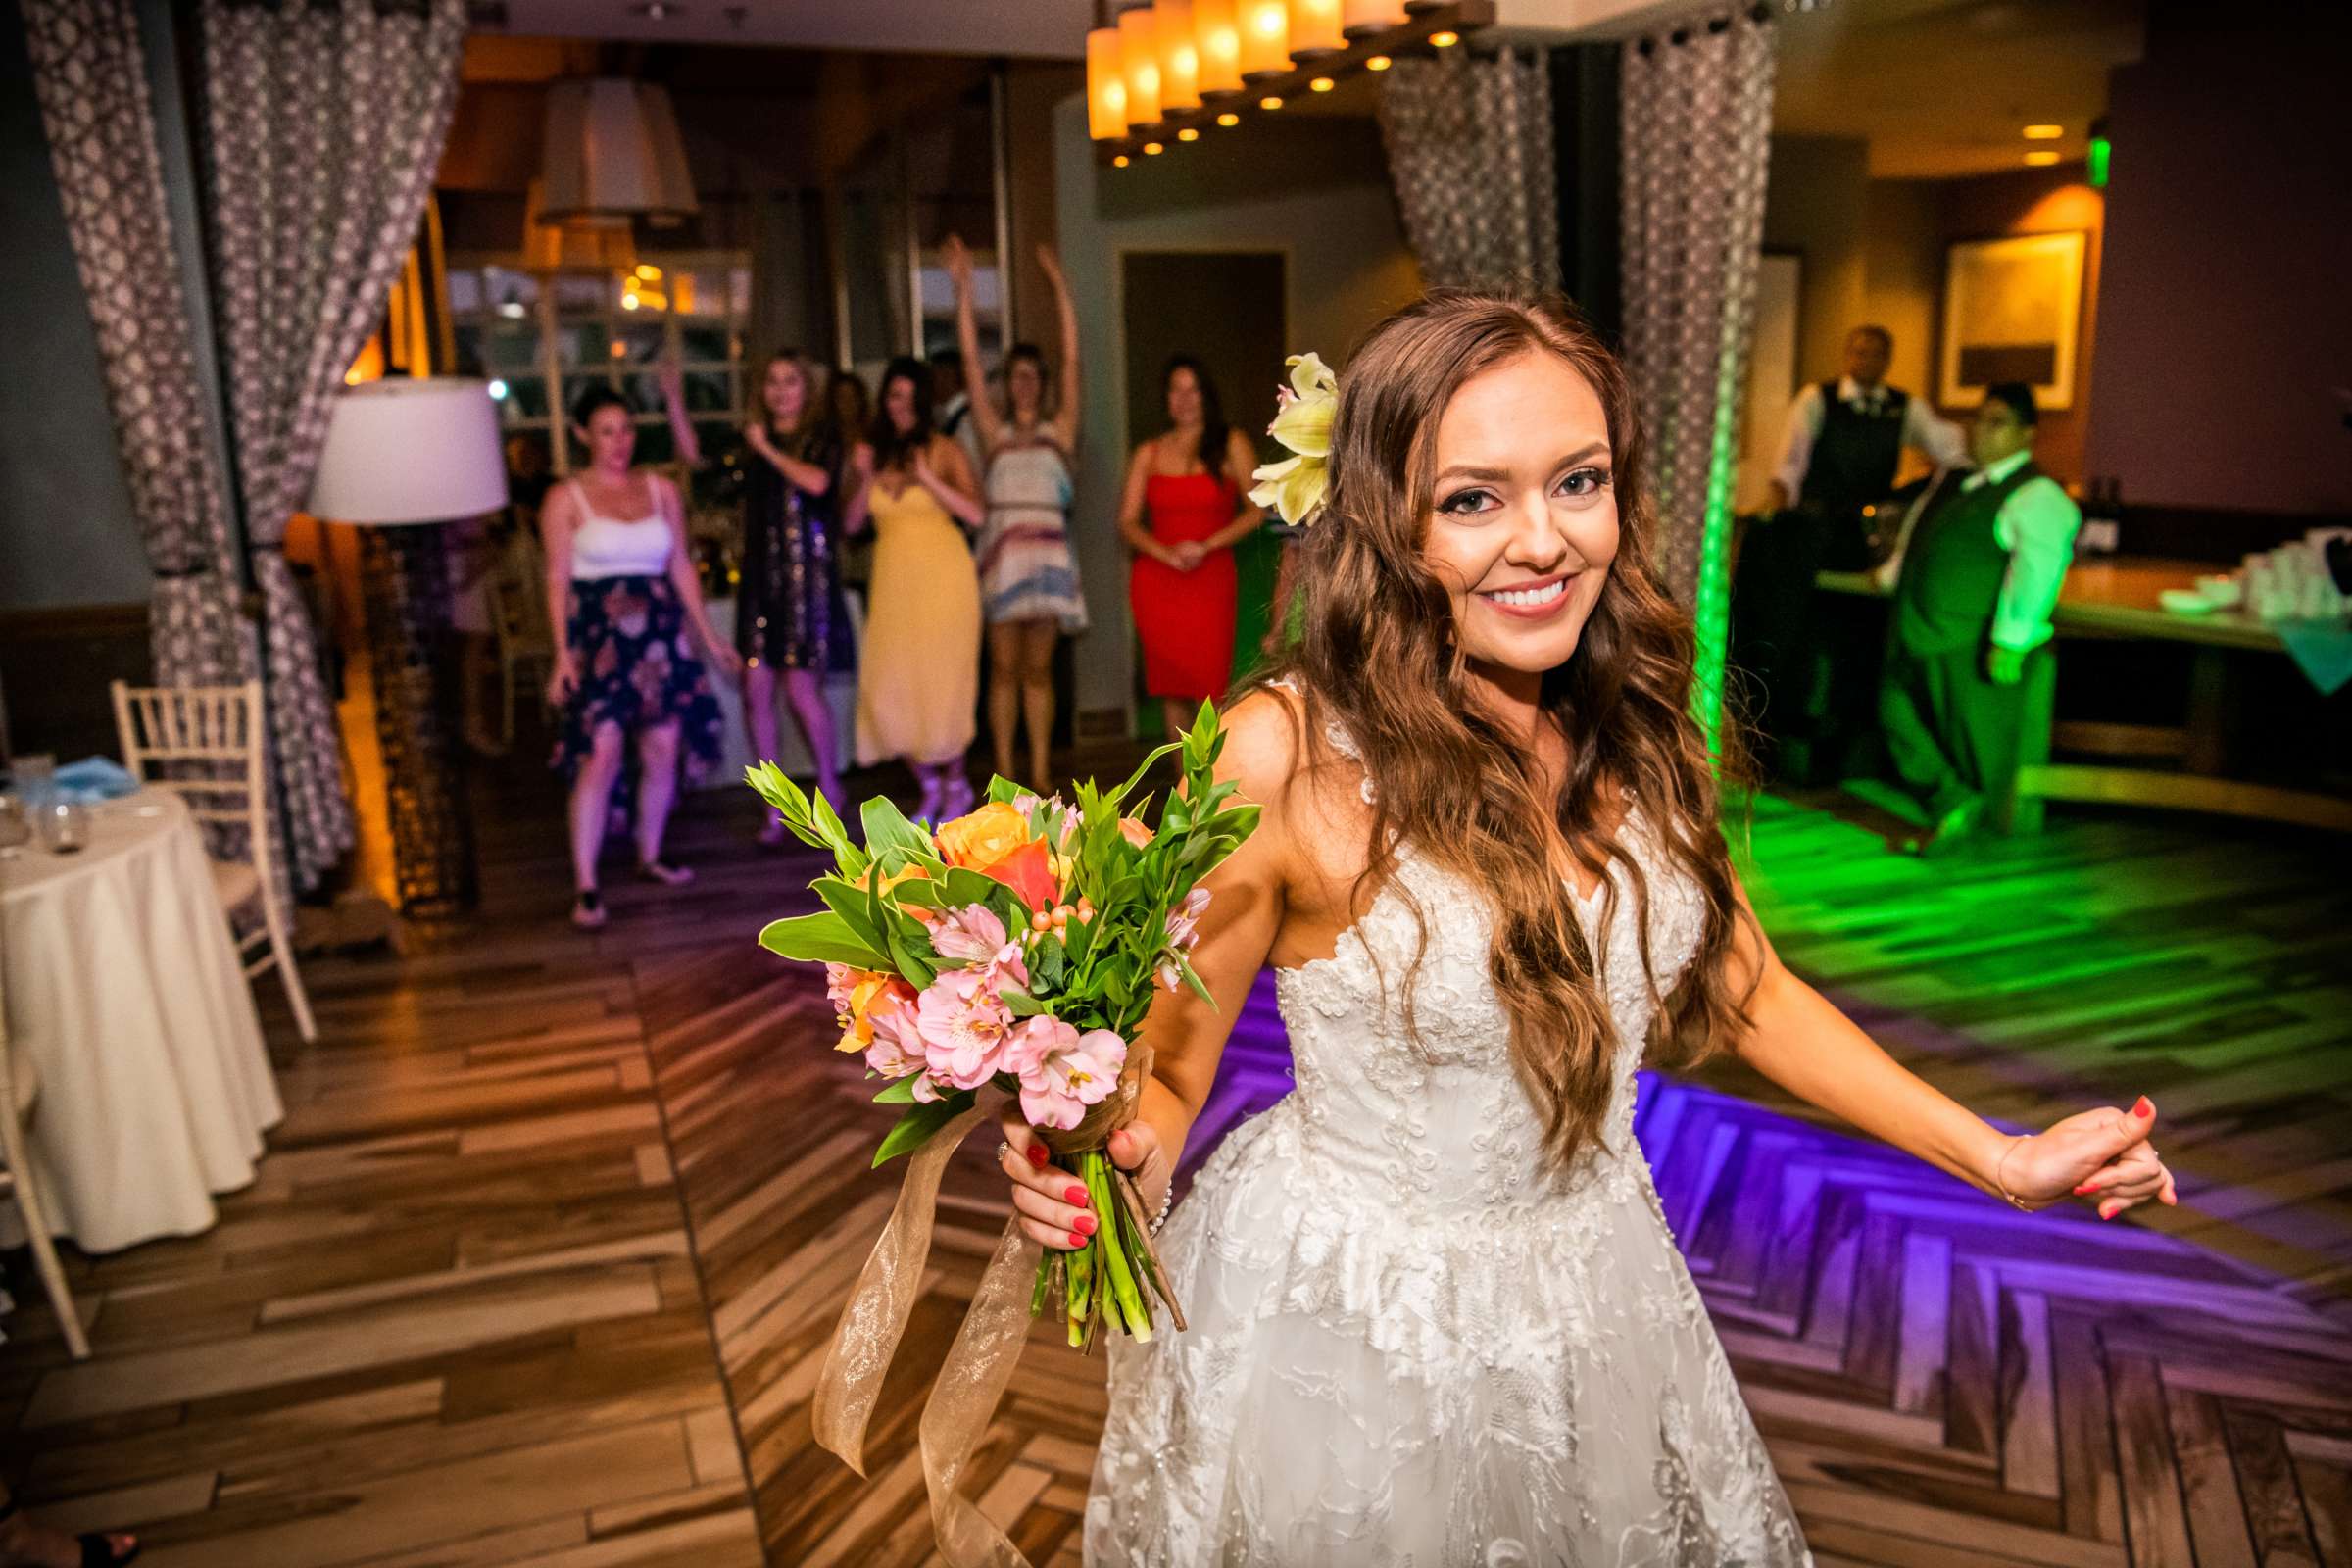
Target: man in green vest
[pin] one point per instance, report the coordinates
(1979, 575)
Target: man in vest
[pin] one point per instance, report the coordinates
(1980, 569)
(1844, 442)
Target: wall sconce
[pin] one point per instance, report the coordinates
(1216, 25)
(1182, 65)
(1265, 38)
(1178, 56)
(1315, 28)
(1105, 87)
(1138, 63)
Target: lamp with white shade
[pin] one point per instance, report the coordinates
(401, 457)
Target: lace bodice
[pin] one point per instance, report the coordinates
(1419, 1100)
(1414, 1343)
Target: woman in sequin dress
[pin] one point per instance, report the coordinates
(789, 618)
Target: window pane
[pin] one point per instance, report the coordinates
(704, 344)
(578, 290)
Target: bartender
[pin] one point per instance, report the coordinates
(1979, 572)
(1842, 444)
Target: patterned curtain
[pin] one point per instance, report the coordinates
(1696, 121)
(91, 78)
(1469, 145)
(324, 122)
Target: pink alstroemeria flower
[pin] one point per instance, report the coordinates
(1066, 1071)
(897, 1049)
(1184, 931)
(964, 1024)
(975, 934)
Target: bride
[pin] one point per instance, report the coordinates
(1435, 1313)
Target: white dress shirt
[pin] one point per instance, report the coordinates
(1923, 428)
(2036, 525)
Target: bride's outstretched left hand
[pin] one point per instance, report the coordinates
(2102, 1156)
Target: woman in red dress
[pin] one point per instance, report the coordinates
(1186, 506)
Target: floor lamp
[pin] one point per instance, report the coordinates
(404, 456)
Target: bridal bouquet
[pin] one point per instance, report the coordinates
(1019, 945)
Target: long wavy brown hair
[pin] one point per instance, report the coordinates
(1379, 654)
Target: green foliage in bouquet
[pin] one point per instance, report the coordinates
(1020, 945)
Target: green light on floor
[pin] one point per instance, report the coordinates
(2096, 159)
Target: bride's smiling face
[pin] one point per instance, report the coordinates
(1523, 515)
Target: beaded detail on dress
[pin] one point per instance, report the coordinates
(1412, 1343)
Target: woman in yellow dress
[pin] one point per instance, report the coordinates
(918, 672)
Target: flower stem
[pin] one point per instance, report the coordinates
(1127, 1300)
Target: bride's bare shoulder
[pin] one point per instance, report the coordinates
(1310, 795)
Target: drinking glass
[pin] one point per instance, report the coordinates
(64, 826)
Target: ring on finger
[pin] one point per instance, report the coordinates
(1003, 1152)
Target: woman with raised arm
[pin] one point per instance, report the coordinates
(1028, 577)
(1435, 1313)
(789, 619)
(623, 595)
(918, 676)
(1185, 507)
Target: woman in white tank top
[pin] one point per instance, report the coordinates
(623, 595)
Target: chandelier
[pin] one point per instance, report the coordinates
(1162, 72)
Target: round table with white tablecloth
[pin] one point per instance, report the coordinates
(126, 994)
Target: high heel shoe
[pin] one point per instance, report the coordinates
(588, 909)
(669, 876)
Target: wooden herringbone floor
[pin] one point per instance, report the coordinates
(542, 1263)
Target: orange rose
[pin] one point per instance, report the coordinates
(996, 841)
(982, 838)
(1134, 832)
(1029, 872)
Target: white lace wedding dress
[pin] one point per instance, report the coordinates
(1408, 1347)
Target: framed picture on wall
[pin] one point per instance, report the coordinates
(2011, 312)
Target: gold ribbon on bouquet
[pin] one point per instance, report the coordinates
(972, 1379)
(988, 1346)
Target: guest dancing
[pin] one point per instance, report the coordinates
(790, 622)
(1028, 578)
(1185, 507)
(918, 673)
(622, 595)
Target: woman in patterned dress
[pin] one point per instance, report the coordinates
(622, 595)
(1028, 577)
(789, 617)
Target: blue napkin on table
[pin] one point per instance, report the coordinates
(2323, 648)
(92, 780)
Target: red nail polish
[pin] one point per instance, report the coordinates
(1084, 1224)
(1037, 1155)
(2086, 1186)
(1075, 1194)
(2143, 1109)
(1076, 1241)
